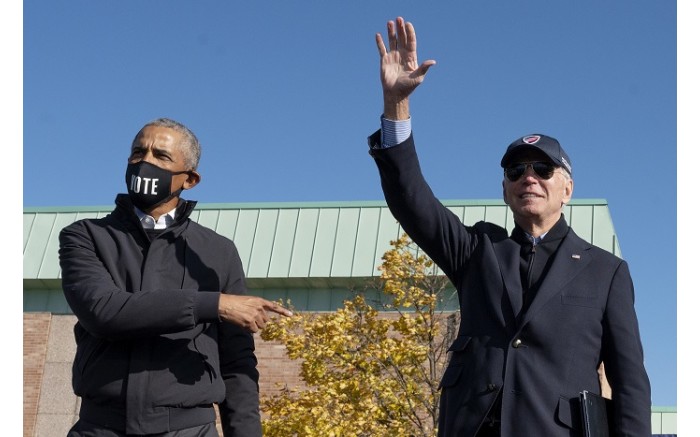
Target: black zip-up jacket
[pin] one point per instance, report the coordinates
(152, 355)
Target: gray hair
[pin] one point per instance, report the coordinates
(190, 147)
(566, 174)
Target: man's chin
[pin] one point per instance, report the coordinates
(527, 213)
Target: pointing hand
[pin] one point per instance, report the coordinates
(249, 312)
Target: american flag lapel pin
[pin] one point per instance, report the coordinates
(576, 256)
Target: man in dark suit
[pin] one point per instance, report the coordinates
(541, 308)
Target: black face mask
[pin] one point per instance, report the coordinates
(149, 185)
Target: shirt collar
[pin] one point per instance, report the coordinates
(535, 240)
(149, 222)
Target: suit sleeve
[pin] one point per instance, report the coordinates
(438, 231)
(624, 359)
(240, 410)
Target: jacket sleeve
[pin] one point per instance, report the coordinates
(436, 229)
(624, 360)
(98, 296)
(240, 410)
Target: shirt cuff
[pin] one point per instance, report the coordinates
(394, 131)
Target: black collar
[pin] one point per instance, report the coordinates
(558, 231)
(182, 212)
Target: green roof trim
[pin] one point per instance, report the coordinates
(664, 409)
(298, 245)
(296, 205)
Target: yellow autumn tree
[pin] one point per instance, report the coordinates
(369, 368)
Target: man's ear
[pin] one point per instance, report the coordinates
(568, 191)
(503, 185)
(192, 180)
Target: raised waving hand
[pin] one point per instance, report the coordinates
(400, 71)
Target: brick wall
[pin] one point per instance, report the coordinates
(50, 407)
(36, 335)
(275, 368)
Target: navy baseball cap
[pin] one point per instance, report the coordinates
(548, 145)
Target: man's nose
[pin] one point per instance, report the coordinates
(148, 157)
(530, 173)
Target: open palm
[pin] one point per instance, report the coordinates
(400, 71)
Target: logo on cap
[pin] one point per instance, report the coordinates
(532, 139)
(566, 164)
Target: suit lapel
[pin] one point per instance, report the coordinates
(508, 256)
(569, 260)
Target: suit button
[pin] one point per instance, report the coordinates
(517, 342)
(491, 387)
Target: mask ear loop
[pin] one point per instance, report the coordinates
(172, 195)
(175, 193)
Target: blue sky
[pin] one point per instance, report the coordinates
(283, 94)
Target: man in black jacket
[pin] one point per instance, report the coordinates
(541, 308)
(164, 324)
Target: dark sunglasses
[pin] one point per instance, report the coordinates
(544, 170)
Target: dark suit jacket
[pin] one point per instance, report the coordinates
(583, 314)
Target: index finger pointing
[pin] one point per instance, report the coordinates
(276, 308)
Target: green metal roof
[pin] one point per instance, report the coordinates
(302, 245)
